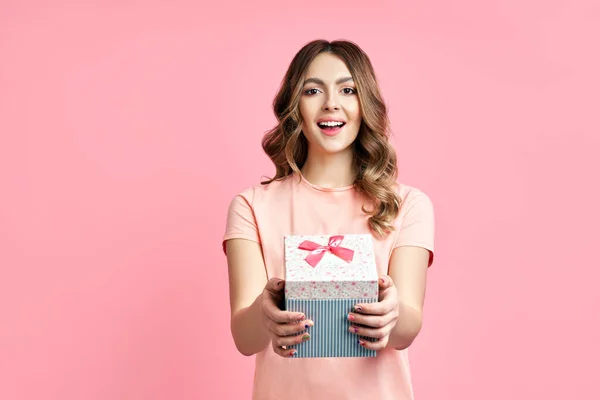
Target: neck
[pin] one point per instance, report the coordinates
(329, 170)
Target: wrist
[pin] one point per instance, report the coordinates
(258, 318)
(249, 331)
(408, 325)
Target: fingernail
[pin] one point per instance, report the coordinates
(381, 280)
(357, 308)
(355, 329)
(306, 326)
(361, 342)
(292, 353)
(351, 317)
(305, 338)
(279, 283)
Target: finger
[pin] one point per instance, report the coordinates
(290, 340)
(378, 333)
(385, 306)
(376, 345)
(386, 287)
(372, 321)
(274, 313)
(286, 353)
(388, 300)
(289, 329)
(275, 286)
(281, 345)
(385, 282)
(282, 317)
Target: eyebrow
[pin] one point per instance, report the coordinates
(320, 82)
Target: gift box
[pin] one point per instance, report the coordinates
(326, 276)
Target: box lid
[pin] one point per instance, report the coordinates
(330, 266)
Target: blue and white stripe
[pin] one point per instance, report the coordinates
(329, 337)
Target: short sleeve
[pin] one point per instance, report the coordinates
(415, 223)
(241, 221)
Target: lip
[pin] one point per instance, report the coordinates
(331, 132)
(330, 119)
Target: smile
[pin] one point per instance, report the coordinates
(331, 129)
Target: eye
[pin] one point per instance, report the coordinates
(352, 89)
(309, 91)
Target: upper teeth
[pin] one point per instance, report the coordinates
(331, 123)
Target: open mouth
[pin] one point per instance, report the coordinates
(330, 126)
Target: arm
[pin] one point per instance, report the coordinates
(247, 278)
(256, 319)
(396, 319)
(408, 270)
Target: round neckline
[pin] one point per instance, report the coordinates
(323, 188)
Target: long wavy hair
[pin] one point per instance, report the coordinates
(374, 157)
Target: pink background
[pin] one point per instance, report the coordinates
(126, 127)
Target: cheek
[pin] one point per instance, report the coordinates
(306, 118)
(305, 112)
(353, 110)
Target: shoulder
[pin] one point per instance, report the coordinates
(409, 194)
(260, 192)
(414, 202)
(415, 224)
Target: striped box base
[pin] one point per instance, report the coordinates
(329, 337)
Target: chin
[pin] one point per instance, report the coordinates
(331, 144)
(329, 149)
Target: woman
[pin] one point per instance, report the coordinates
(335, 174)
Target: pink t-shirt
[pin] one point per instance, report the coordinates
(294, 206)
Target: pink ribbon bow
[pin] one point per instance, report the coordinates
(317, 251)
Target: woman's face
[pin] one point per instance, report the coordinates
(329, 94)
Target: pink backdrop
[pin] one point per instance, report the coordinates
(126, 128)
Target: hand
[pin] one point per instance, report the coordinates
(283, 326)
(378, 318)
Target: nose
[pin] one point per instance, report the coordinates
(331, 103)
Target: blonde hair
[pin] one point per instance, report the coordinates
(374, 157)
